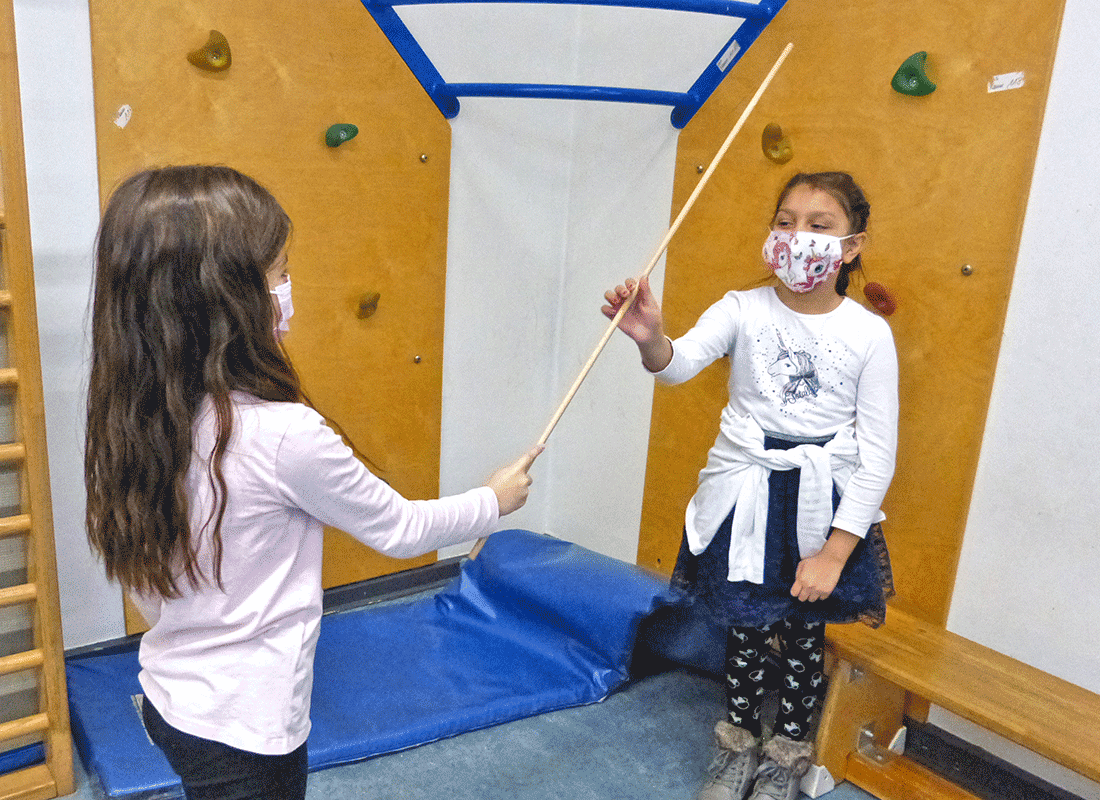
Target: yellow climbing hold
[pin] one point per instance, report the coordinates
(775, 145)
(214, 56)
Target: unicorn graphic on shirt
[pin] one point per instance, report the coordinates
(798, 369)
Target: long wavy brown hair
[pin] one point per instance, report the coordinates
(180, 310)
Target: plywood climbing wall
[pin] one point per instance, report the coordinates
(947, 175)
(369, 216)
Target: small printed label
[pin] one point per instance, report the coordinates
(1010, 80)
(122, 118)
(728, 56)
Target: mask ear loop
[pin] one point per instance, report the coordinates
(285, 306)
(842, 239)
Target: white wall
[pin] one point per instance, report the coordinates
(55, 84)
(525, 280)
(1026, 581)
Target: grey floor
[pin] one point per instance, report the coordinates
(651, 741)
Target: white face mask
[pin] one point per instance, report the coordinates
(286, 308)
(803, 260)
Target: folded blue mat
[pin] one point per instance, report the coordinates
(534, 624)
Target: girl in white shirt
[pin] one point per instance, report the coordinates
(783, 532)
(210, 477)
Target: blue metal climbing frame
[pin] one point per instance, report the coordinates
(755, 16)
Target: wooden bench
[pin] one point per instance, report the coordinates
(875, 670)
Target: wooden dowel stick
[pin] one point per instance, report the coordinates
(656, 257)
(664, 244)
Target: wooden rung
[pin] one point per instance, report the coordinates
(17, 662)
(21, 727)
(5, 295)
(10, 526)
(32, 783)
(23, 593)
(8, 376)
(12, 452)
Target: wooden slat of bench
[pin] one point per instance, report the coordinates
(901, 779)
(1045, 714)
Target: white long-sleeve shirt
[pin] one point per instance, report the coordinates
(237, 666)
(799, 376)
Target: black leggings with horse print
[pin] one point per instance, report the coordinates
(802, 670)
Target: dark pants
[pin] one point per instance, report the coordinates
(801, 669)
(215, 771)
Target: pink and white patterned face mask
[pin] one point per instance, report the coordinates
(803, 260)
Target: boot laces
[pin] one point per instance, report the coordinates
(729, 767)
(773, 780)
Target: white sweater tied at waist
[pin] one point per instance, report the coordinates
(736, 475)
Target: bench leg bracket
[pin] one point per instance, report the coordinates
(861, 712)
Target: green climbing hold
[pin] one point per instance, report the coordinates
(338, 134)
(911, 79)
(214, 56)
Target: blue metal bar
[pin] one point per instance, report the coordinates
(708, 81)
(725, 8)
(549, 91)
(414, 57)
(685, 105)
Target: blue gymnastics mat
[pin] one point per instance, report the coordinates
(534, 624)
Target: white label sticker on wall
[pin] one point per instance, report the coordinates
(122, 118)
(728, 56)
(1010, 80)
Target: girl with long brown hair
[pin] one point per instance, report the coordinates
(210, 477)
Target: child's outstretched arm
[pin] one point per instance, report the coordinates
(642, 322)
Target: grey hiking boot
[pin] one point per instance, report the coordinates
(785, 762)
(731, 773)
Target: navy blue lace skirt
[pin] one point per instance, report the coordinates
(860, 595)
